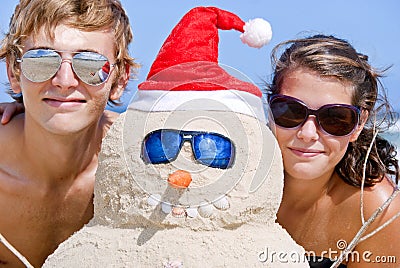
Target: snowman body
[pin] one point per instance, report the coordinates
(224, 218)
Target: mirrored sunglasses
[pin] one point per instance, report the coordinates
(210, 149)
(39, 65)
(333, 119)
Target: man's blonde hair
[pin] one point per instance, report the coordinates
(31, 16)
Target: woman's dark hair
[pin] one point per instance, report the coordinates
(333, 57)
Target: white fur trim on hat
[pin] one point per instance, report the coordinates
(220, 100)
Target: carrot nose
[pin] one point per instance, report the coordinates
(180, 179)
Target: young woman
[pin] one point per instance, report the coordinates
(323, 101)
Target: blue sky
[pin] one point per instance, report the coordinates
(373, 27)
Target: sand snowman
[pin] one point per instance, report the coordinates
(190, 175)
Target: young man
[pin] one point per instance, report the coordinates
(67, 58)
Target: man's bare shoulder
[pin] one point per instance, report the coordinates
(11, 148)
(11, 136)
(16, 124)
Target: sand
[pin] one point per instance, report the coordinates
(129, 231)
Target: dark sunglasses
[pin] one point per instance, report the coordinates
(210, 149)
(333, 119)
(39, 65)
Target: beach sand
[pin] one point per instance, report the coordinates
(129, 231)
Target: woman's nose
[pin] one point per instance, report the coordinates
(309, 130)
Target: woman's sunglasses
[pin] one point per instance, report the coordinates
(39, 65)
(333, 119)
(210, 149)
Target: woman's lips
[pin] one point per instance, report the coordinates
(306, 152)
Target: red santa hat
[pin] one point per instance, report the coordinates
(186, 66)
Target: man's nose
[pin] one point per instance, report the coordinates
(65, 76)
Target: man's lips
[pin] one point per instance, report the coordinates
(63, 102)
(305, 152)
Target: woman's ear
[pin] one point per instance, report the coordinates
(363, 119)
(122, 81)
(13, 78)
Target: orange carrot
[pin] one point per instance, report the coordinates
(180, 179)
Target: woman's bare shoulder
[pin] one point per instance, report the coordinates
(380, 193)
(385, 229)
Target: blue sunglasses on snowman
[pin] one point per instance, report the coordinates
(211, 149)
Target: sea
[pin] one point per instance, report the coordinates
(393, 135)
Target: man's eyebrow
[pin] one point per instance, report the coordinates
(41, 47)
(70, 51)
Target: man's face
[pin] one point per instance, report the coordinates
(64, 103)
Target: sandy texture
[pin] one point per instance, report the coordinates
(100, 246)
(128, 231)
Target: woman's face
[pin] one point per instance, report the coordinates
(308, 152)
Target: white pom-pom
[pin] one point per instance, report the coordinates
(257, 33)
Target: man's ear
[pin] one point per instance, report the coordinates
(13, 79)
(122, 82)
(363, 119)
